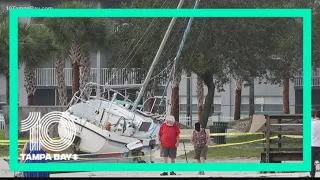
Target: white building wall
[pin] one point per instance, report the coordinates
(272, 94)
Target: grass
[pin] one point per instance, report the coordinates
(252, 150)
(245, 150)
(4, 148)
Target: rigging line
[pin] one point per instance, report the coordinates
(165, 69)
(124, 61)
(150, 25)
(156, 59)
(127, 45)
(140, 45)
(197, 42)
(176, 59)
(171, 45)
(134, 54)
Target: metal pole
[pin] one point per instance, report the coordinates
(98, 74)
(156, 59)
(189, 98)
(251, 98)
(180, 49)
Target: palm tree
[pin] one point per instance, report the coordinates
(27, 42)
(4, 49)
(4, 58)
(36, 47)
(62, 47)
(82, 36)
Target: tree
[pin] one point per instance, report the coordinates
(4, 48)
(200, 95)
(175, 93)
(83, 36)
(287, 57)
(217, 43)
(35, 49)
(142, 37)
(62, 47)
(248, 47)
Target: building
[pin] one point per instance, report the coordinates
(269, 97)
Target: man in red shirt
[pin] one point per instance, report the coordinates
(169, 137)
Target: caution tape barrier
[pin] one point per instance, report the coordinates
(189, 148)
(6, 142)
(228, 134)
(212, 135)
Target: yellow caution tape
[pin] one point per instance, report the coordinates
(229, 134)
(188, 148)
(293, 136)
(26, 140)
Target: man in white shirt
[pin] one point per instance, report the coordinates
(315, 143)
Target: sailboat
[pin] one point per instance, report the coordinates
(106, 126)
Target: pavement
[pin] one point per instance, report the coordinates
(4, 172)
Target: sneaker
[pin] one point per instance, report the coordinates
(201, 173)
(172, 173)
(164, 174)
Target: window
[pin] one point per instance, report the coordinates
(183, 108)
(2, 98)
(272, 107)
(1, 105)
(246, 107)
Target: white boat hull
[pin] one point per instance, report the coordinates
(95, 140)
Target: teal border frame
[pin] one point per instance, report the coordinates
(305, 14)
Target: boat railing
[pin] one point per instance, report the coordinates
(153, 104)
(80, 95)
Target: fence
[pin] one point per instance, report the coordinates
(190, 121)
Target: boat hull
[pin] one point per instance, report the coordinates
(95, 140)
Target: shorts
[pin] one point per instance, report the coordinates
(200, 152)
(168, 152)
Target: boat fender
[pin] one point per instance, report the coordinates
(108, 127)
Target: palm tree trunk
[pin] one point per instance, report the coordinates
(6, 117)
(237, 106)
(207, 110)
(150, 101)
(7, 88)
(175, 94)
(30, 80)
(286, 108)
(75, 55)
(85, 71)
(62, 89)
(200, 95)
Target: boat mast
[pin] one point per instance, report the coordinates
(155, 60)
(176, 59)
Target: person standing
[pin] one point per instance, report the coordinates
(33, 149)
(314, 111)
(169, 137)
(200, 140)
(315, 143)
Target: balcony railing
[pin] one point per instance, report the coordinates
(298, 80)
(47, 76)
